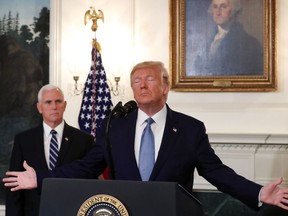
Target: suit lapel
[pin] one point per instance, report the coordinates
(39, 145)
(64, 144)
(123, 145)
(130, 153)
(170, 135)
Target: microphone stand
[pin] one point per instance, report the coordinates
(108, 144)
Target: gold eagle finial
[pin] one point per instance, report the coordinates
(91, 14)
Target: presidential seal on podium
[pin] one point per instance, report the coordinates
(102, 205)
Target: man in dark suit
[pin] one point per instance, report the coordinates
(181, 145)
(33, 146)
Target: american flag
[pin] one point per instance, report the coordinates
(96, 102)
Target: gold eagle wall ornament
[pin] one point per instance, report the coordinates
(91, 14)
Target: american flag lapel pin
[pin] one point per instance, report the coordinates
(175, 130)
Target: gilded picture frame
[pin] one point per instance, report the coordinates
(190, 23)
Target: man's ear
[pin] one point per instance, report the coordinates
(38, 105)
(166, 89)
(65, 104)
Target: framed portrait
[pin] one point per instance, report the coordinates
(223, 45)
(24, 69)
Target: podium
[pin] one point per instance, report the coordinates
(74, 197)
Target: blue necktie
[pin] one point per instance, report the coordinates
(147, 151)
(53, 152)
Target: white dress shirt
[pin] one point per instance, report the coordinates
(47, 137)
(157, 129)
(217, 41)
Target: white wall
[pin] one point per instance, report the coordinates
(136, 30)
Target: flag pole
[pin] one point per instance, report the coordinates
(96, 102)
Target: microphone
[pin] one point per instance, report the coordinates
(120, 111)
(115, 109)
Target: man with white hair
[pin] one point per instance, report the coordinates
(34, 145)
(230, 49)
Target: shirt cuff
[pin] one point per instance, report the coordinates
(259, 198)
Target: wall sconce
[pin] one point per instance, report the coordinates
(78, 88)
(115, 89)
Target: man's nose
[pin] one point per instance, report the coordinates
(53, 105)
(143, 83)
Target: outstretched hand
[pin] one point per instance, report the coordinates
(21, 180)
(273, 194)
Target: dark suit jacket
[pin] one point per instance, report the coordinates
(185, 146)
(29, 146)
(238, 54)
